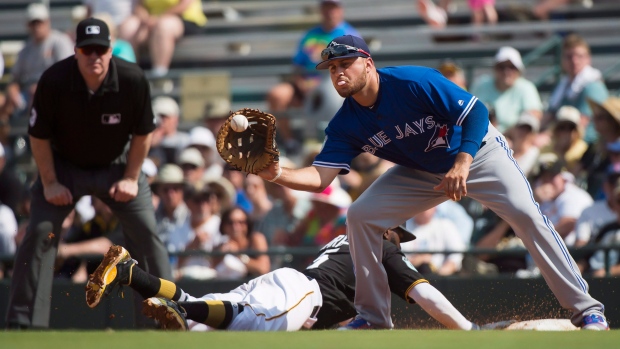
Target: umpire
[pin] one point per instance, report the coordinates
(90, 130)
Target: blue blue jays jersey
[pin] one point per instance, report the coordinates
(417, 122)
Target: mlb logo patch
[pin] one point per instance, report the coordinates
(93, 30)
(111, 119)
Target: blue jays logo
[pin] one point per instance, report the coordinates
(439, 138)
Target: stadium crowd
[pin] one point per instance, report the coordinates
(568, 146)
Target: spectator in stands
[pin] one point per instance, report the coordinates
(94, 237)
(434, 234)
(600, 213)
(305, 77)
(542, 9)
(202, 138)
(120, 48)
(118, 10)
(289, 207)
(172, 213)
(8, 232)
(168, 141)
(237, 179)
(521, 137)
(561, 201)
(203, 232)
(225, 195)
(482, 11)
(324, 221)
(10, 186)
(44, 47)
(595, 161)
(150, 170)
(193, 166)
(161, 23)
(434, 15)
(257, 193)
(566, 138)
(455, 213)
(369, 168)
(608, 236)
(579, 83)
(507, 91)
(454, 73)
(238, 228)
(215, 113)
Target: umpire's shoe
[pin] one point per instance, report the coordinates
(115, 269)
(168, 314)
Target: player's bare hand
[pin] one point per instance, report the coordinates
(57, 194)
(124, 190)
(454, 183)
(270, 172)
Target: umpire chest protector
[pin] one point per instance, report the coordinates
(91, 129)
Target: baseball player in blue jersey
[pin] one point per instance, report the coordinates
(444, 147)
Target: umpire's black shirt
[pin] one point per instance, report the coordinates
(91, 130)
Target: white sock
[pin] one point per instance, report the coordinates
(439, 307)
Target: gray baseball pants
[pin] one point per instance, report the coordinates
(31, 284)
(496, 181)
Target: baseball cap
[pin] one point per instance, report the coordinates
(529, 120)
(201, 136)
(37, 12)
(333, 195)
(92, 31)
(510, 54)
(217, 108)
(549, 164)
(191, 156)
(345, 46)
(568, 113)
(170, 174)
(404, 234)
(165, 106)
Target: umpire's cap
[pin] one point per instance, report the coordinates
(92, 31)
(404, 234)
(345, 46)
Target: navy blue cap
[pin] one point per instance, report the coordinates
(404, 234)
(348, 40)
(92, 31)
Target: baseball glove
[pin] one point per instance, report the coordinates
(251, 150)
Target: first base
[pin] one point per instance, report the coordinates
(544, 325)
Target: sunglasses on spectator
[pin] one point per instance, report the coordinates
(339, 51)
(98, 49)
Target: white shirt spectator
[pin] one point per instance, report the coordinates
(438, 235)
(592, 219)
(457, 214)
(571, 204)
(8, 230)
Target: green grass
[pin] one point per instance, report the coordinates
(397, 339)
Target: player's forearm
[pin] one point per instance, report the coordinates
(307, 179)
(138, 150)
(42, 153)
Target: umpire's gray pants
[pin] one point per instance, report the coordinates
(496, 181)
(31, 284)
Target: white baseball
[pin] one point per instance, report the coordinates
(239, 123)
